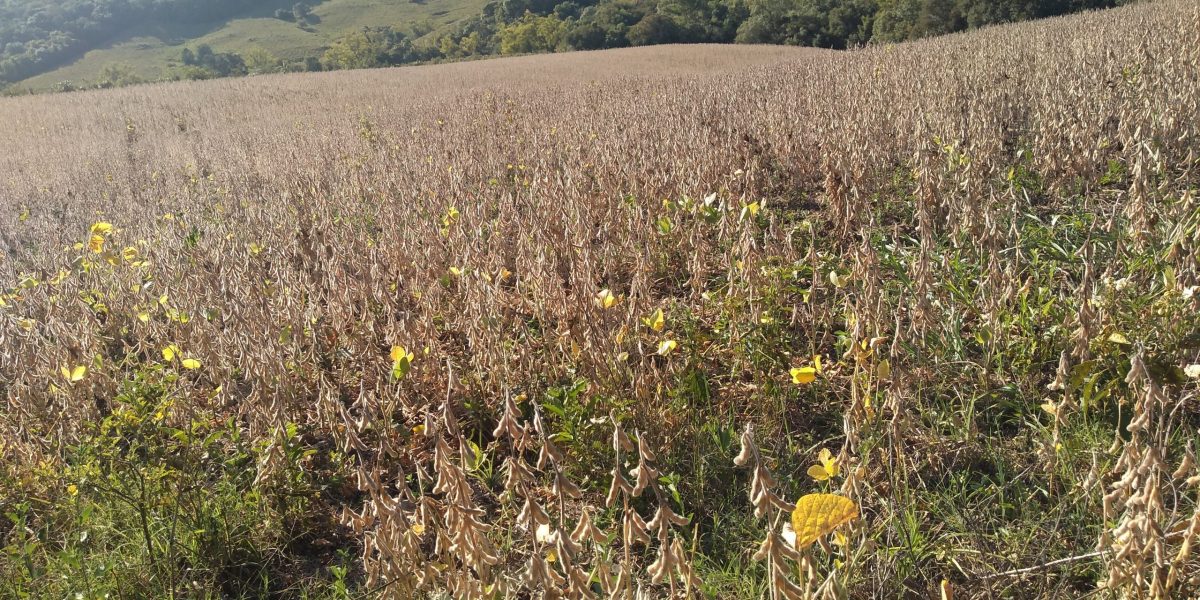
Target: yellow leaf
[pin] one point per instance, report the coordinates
(863, 350)
(804, 375)
(828, 468)
(96, 243)
(1119, 339)
(666, 347)
(190, 364)
(884, 370)
(129, 253)
(399, 353)
(840, 539)
(401, 362)
(818, 472)
(655, 321)
(170, 352)
(101, 228)
(606, 299)
(750, 209)
(455, 271)
(817, 515)
(74, 375)
(828, 462)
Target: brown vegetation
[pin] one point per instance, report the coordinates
(952, 225)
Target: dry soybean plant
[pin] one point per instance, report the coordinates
(496, 329)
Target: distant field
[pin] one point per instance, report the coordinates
(151, 53)
(728, 322)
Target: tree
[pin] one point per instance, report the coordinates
(204, 54)
(359, 50)
(447, 46)
(567, 10)
(228, 63)
(469, 44)
(653, 29)
(586, 36)
(938, 17)
(260, 60)
(785, 22)
(615, 17)
(188, 57)
(117, 75)
(531, 34)
(850, 22)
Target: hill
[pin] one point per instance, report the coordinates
(82, 43)
(150, 47)
(673, 322)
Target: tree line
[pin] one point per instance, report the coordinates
(506, 27)
(36, 35)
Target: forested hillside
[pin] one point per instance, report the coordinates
(533, 26)
(514, 25)
(38, 36)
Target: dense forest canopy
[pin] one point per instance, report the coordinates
(39, 35)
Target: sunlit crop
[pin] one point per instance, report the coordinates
(741, 322)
